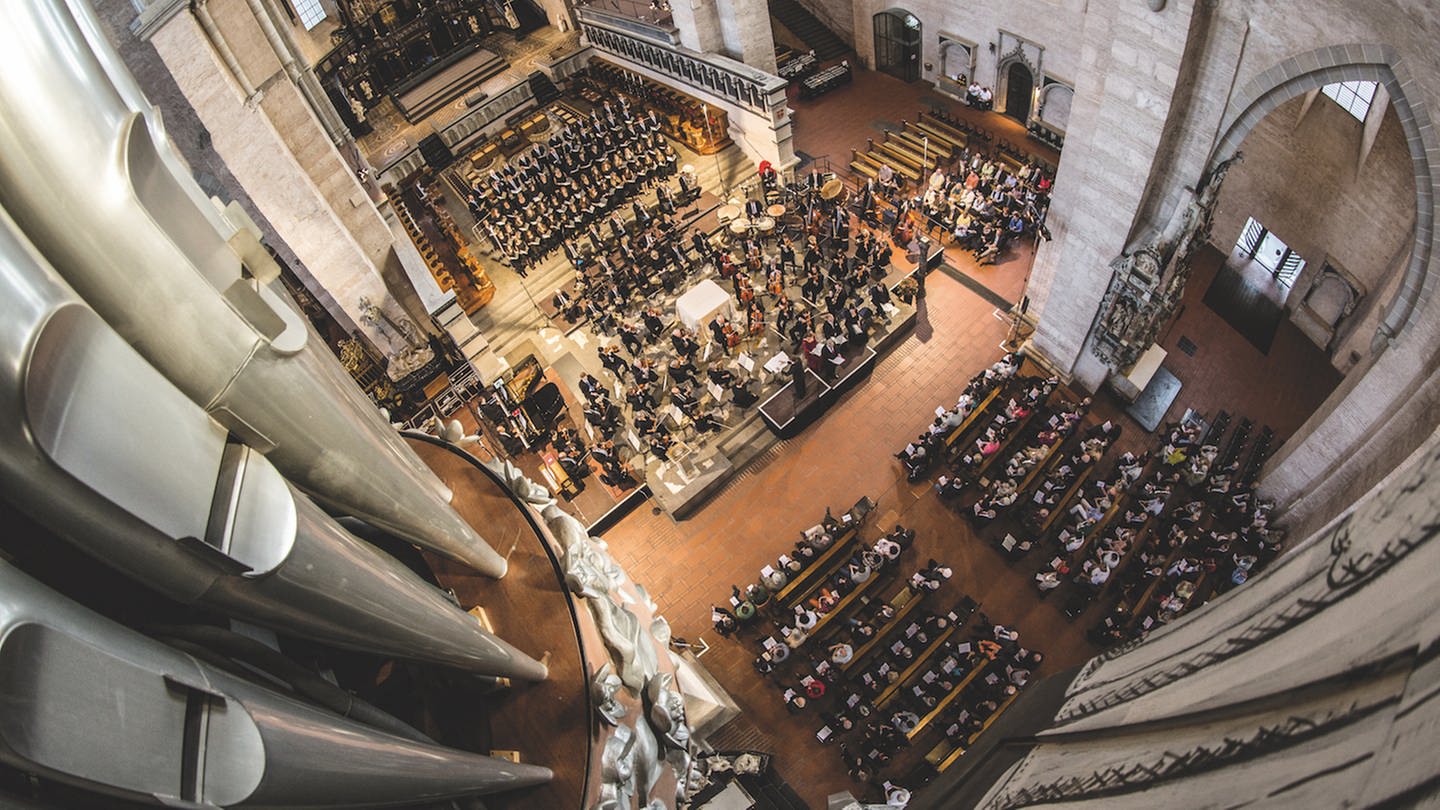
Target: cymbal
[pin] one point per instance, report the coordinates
(832, 188)
(776, 210)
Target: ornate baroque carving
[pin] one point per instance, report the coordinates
(1146, 285)
(634, 758)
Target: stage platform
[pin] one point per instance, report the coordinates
(679, 487)
(786, 415)
(447, 83)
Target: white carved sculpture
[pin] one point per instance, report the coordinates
(665, 710)
(633, 760)
(627, 641)
(617, 770)
(604, 688)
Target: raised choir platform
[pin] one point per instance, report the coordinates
(432, 92)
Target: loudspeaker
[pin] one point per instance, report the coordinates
(435, 152)
(544, 89)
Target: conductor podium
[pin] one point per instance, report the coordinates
(786, 414)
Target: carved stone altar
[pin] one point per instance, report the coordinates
(1148, 282)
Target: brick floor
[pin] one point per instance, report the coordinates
(690, 565)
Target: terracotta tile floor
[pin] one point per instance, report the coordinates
(690, 565)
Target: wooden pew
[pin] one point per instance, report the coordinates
(898, 147)
(909, 672)
(824, 564)
(901, 167)
(958, 141)
(903, 612)
(1016, 431)
(975, 413)
(991, 719)
(845, 605)
(944, 127)
(976, 668)
(861, 167)
(1062, 506)
(918, 143)
(875, 161)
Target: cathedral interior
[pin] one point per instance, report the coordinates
(645, 404)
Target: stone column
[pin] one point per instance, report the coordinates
(745, 25)
(273, 142)
(1130, 66)
(699, 25)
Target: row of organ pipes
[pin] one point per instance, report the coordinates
(168, 414)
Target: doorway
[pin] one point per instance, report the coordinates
(897, 44)
(1019, 91)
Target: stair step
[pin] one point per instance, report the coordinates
(809, 29)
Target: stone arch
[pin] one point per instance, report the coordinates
(1055, 101)
(959, 52)
(897, 42)
(1016, 56)
(1304, 72)
(1367, 419)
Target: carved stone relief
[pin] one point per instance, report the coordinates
(634, 758)
(1146, 286)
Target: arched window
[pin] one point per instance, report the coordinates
(897, 44)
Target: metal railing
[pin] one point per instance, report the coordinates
(659, 49)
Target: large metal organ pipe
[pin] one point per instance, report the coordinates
(86, 172)
(96, 705)
(101, 448)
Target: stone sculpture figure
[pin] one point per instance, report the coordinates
(617, 770)
(627, 641)
(665, 709)
(603, 688)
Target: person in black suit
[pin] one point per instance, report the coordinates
(681, 370)
(684, 400)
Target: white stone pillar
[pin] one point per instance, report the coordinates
(699, 25)
(277, 148)
(745, 26)
(1130, 65)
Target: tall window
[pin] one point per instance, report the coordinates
(310, 11)
(1355, 97)
(1265, 248)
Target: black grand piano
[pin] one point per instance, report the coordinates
(527, 403)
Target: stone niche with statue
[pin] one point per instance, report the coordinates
(1332, 297)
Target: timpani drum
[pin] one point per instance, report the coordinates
(727, 214)
(777, 210)
(740, 227)
(765, 225)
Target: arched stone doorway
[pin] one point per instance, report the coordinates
(897, 44)
(1019, 91)
(1352, 439)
